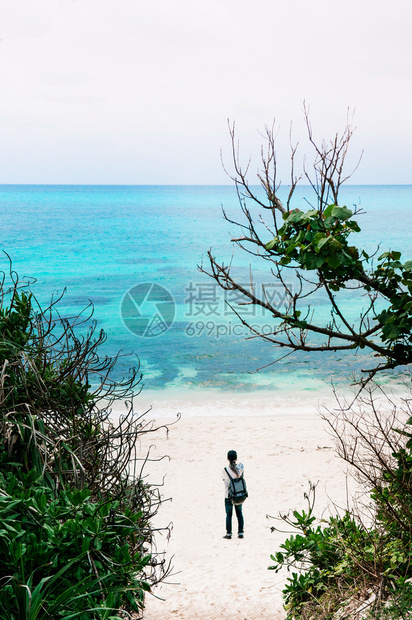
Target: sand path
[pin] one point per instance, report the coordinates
(216, 579)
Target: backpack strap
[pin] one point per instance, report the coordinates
(230, 475)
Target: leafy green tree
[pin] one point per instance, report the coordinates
(317, 245)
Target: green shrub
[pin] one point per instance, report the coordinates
(319, 556)
(43, 533)
(342, 555)
(75, 512)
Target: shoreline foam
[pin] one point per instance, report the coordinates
(204, 403)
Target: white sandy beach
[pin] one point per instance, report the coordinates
(217, 579)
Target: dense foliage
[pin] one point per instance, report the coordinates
(76, 539)
(318, 240)
(341, 567)
(64, 554)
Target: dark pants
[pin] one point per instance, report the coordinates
(229, 513)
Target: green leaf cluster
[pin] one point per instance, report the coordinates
(394, 280)
(44, 533)
(319, 240)
(318, 555)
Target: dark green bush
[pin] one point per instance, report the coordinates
(76, 537)
(44, 533)
(342, 558)
(319, 556)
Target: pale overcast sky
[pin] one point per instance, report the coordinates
(133, 91)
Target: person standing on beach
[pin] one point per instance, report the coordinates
(236, 471)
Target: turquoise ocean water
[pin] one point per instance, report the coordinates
(99, 242)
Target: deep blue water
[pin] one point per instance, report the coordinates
(98, 242)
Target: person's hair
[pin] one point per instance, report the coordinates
(232, 457)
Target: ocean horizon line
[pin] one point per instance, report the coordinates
(191, 185)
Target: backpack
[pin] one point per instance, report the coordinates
(237, 489)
